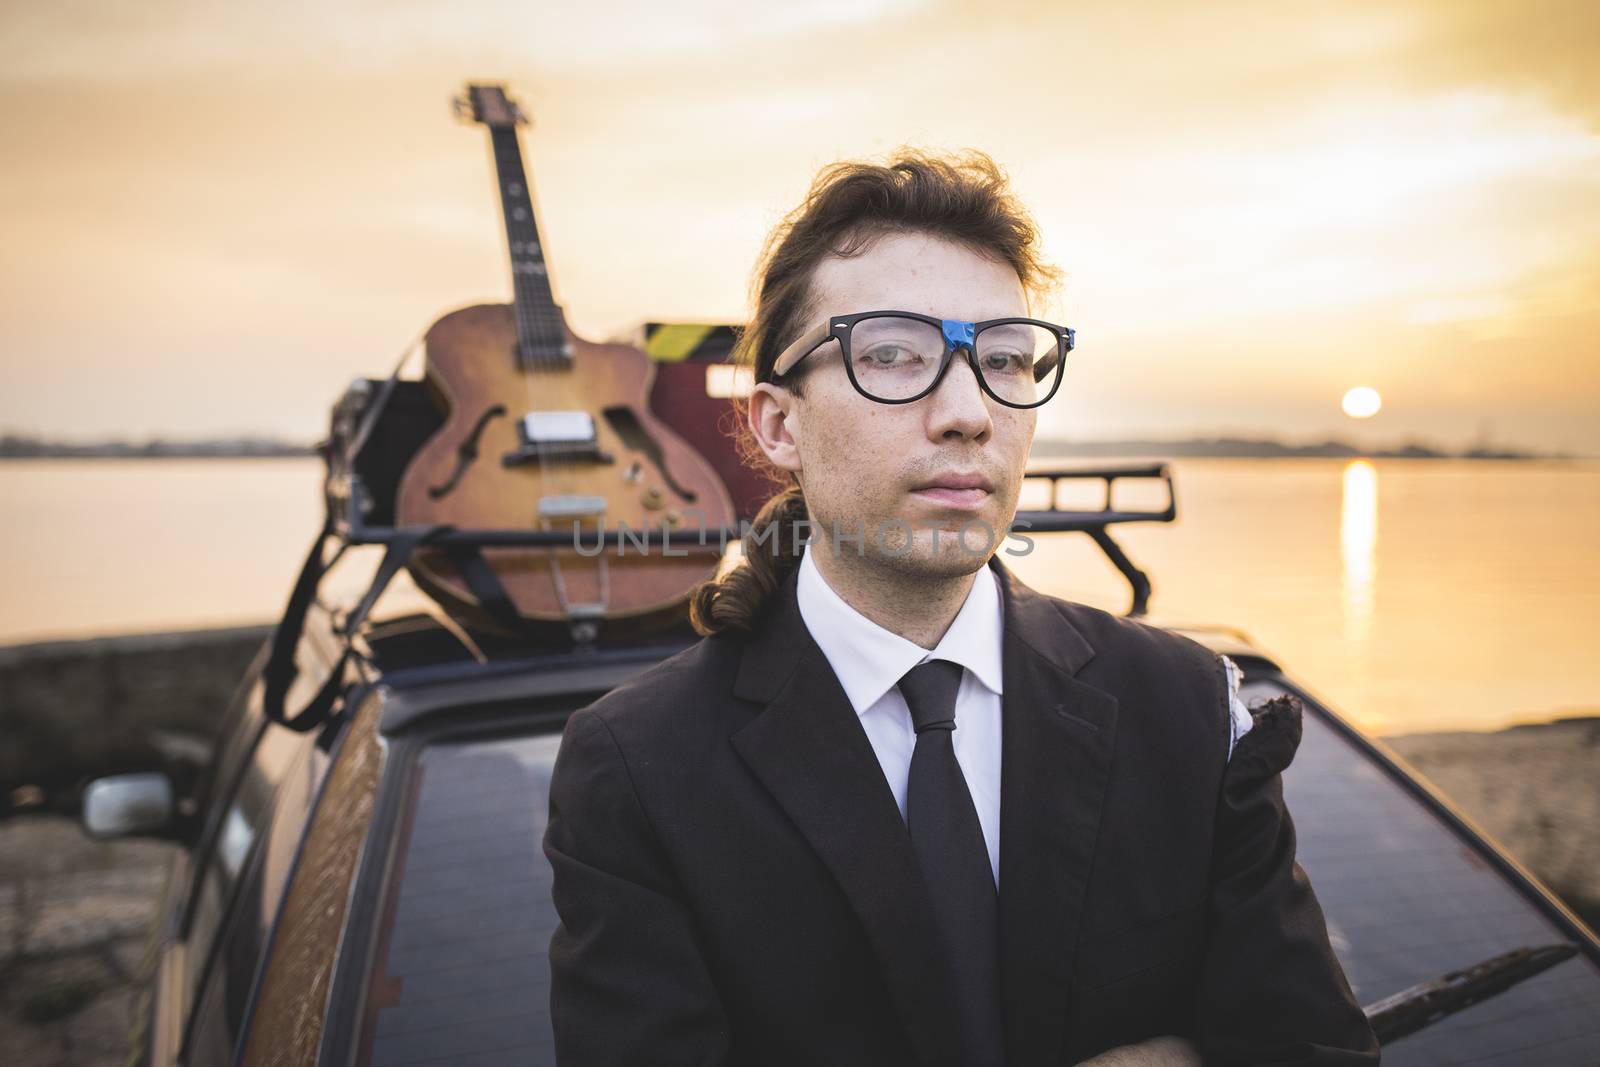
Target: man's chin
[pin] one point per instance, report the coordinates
(950, 544)
(936, 567)
(948, 550)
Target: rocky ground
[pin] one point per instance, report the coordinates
(75, 914)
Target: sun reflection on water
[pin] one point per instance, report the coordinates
(1358, 543)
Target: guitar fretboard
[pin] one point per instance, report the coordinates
(540, 339)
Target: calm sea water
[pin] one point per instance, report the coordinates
(1412, 595)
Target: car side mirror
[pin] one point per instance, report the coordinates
(125, 805)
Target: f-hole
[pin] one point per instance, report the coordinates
(627, 426)
(466, 452)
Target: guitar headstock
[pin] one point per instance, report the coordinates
(489, 105)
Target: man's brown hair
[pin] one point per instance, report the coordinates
(962, 198)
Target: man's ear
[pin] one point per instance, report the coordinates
(771, 411)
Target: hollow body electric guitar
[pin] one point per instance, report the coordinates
(545, 430)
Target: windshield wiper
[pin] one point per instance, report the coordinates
(1423, 1005)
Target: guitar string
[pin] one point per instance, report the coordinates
(539, 334)
(541, 327)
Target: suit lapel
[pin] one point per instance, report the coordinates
(809, 749)
(1057, 737)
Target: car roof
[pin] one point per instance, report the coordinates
(1409, 892)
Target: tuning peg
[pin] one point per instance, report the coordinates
(462, 107)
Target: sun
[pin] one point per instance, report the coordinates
(1362, 402)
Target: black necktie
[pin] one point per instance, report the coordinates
(948, 841)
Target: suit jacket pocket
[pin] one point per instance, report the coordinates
(1107, 958)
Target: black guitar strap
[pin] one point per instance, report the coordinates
(484, 584)
(281, 669)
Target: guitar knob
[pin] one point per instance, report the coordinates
(673, 519)
(651, 498)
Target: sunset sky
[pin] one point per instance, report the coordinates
(216, 216)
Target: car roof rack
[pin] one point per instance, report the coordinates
(378, 424)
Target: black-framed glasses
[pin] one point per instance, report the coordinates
(897, 357)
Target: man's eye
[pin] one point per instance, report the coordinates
(890, 356)
(1005, 362)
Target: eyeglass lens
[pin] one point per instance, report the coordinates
(896, 358)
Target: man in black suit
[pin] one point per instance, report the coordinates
(897, 807)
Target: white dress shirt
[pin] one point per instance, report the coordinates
(870, 660)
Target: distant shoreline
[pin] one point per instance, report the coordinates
(244, 448)
(15, 447)
(1251, 448)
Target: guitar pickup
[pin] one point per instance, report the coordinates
(556, 435)
(558, 428)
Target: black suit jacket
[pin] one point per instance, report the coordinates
(736, 885)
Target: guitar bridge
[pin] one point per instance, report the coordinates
(571, 507)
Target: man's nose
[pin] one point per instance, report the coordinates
(959, 403)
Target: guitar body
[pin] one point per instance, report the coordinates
(473, 370)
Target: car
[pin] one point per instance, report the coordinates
(363, 882)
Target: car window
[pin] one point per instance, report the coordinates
(244, 880)
(242, 819)
(1407, 901)
(462, 974)
(237, 729)
(216, 786)
(234, 795)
